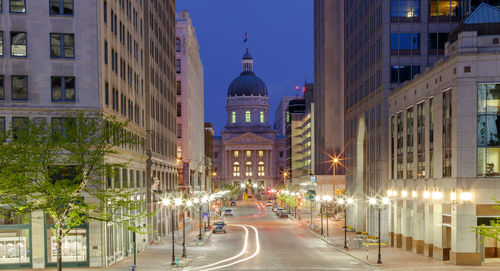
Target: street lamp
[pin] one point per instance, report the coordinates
(328, 199)
(167, 202)
(379, 205)
(188, 204)
(346, 202)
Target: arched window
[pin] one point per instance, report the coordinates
(177, 45)
(248, 116)
(236, 169)
(248, 169)
(233, 117)
(261, 116)
(261, 169)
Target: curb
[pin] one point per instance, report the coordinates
(342, 250)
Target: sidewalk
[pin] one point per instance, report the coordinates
(392, 258)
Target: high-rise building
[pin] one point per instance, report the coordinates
(190, 107)
(299, 138)
(248, 152)
(280, 115)
(209, 155)
(444, 148)
(328, 84)
(386, 43)
(111, 57)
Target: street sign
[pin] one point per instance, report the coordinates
(204, 215)
(313, 179)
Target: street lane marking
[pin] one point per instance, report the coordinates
(245, 245)
(257, 251)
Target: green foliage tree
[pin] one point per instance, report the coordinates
(62, 169)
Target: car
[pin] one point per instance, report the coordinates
(278, 211)
(219, 226)
(275, 208)
(283, 213)
(228, 212)
(269, 204)
(233, 203)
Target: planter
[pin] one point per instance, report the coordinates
(362, 235)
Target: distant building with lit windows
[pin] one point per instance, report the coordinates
(248, 151)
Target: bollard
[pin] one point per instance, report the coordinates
(132, 268)
(196, 241)
(177, 261)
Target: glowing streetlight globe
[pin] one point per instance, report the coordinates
(165, 202)
(350, 201)
(189, 203)
(372, 201)
(178, 201)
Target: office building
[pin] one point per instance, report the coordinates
(110, 57)
(190, 107)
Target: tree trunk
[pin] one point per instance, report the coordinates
(59, 237)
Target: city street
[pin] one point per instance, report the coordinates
(283, 245)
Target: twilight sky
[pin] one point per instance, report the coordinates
(280, 39)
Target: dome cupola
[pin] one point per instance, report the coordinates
(247, 84)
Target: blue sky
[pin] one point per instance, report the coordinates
(280, 39)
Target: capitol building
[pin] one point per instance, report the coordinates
(248, 152)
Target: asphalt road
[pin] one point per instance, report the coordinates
(257, 239)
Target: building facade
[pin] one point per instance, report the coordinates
(299, 139)
(280, 115)
(209, 154)
(328, 99)
(248, 152)
(444, 148)
(54, 61)
(386, 44)
(190, 107)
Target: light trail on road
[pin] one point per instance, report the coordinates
(213, 266)
(261, 208)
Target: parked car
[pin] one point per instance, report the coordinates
(228, 212)
(283, 213)
(275, 208)
(269, 204)
(219, 226)
(233, 203)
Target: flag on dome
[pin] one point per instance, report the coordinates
(245, 37)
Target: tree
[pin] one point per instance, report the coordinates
(492, 230)
(62, 169)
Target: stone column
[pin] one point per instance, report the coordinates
(37, 242)
(397, 224)
(418, 229)
(463, 240)
(428, 230)
(437, 232)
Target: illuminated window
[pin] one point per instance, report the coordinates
(233, 117)
(236, 169)
(261, 153)
(261, 116)
(236, 154)
(249, 153)
(261, 169)
(248, 169)
(444, 8)
(248, 116)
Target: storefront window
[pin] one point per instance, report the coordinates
(14, 246)
(488, 130)
(74, 246)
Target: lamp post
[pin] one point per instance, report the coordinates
(345, 202)
(327, 199)
(204, 200)
(188, 204)
(167, 202)
(380, 204)
(197, 201)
